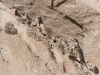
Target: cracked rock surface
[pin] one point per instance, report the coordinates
(48, 37)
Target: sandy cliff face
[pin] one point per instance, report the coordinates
(40, 37)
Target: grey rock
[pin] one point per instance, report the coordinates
(10, 29)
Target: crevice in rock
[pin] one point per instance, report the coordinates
(74, 59)
(64, 68)
(32, 2)
(2, 56)
(29, 48)
(80, 54)
(16, 13)
(3, 53)
(73, 21)
(81, 35)
(82, 57)
(52, 4)
(52, 55)
(60, 3)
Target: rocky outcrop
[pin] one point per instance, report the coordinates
(10, 29)
(50, 42)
